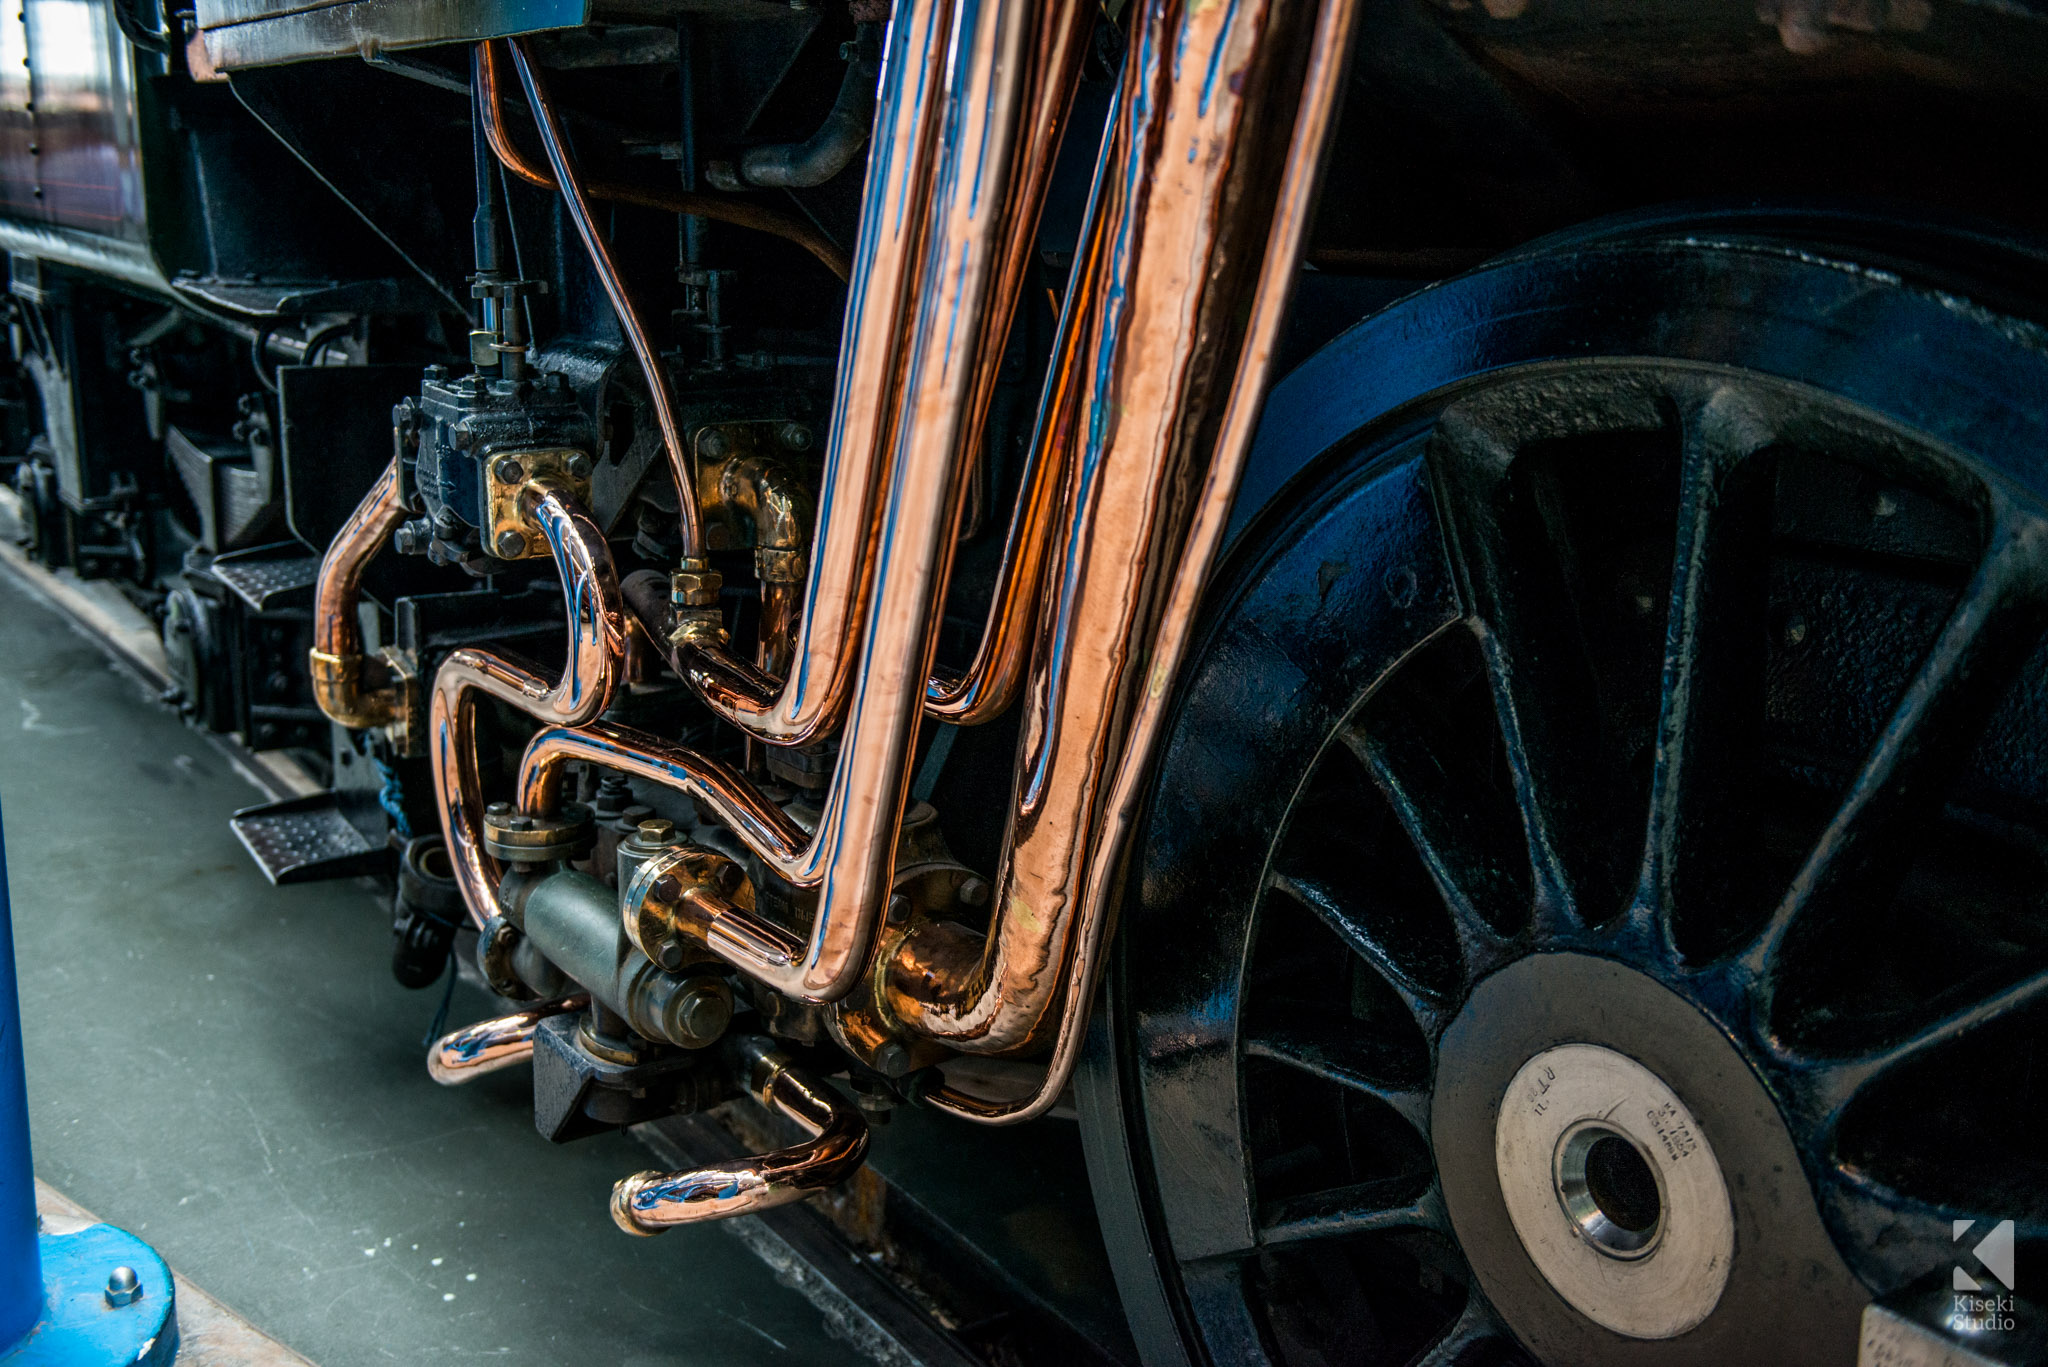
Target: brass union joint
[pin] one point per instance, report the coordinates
(693, 590)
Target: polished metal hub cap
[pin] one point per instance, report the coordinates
(1614, 1191)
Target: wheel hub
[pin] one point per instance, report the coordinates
(1614, 1191)
(1622, 1182)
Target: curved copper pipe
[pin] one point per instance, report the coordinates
(1093, 878)
(689, 525)
(849, 861)
(881, 313)
(591, 670)
(467, 1054)
(336, 660)
(738, 212)
(1162, 328)
(990, 682)
(650, 1203)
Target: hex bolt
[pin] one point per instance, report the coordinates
(899, 908)
(498, 810)
(511, 544)
(518, 823)
(700, 1012)
(712, 444)
(666, 888)
(657, 830)
(123, 1287)
(579, 466)
(510, 471)
(796, 436)
(892, 1059)
(669, 955)
(974, 892)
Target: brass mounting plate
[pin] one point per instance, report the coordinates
(506, 473)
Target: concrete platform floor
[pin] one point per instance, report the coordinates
(228, 1069)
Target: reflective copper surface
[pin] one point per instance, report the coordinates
(467, 1054)
(1186, 204)
(986, 140)
(591, 670)
(336, 662)
(651, 1202)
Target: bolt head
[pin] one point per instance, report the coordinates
(657, 830)
(899, 909)
(123, 1287)
(892, 1059)
(579, 466)
(666, 888)
(498, 809)
(510, 471)
(712, 444)
(518, 823)
(796, 436)
(511, 544)
(974, 892)
(669, 955)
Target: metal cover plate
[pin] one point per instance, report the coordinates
(1891, 1340)
(248, 33)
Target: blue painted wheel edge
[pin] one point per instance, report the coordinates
(79, 1328)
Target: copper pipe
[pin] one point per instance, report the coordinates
(591, 670)
(1293, 210)
(689, 525)
(467, 1054)
(849, 861)
(650, 1203)
(738, 212)
(1143, 529)
(880, 313)
(778, 506)
(337, 662)
(989, 684)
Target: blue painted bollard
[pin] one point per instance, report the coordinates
(85, 1296)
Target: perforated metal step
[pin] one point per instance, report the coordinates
(306, 839)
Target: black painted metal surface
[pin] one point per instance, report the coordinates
(1674, 603)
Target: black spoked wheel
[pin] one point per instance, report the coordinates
(1594, 907)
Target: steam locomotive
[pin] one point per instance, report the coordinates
(1425, 620)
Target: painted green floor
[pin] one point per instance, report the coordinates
(228, 1069)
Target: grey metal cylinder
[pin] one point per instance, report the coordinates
(573, 920)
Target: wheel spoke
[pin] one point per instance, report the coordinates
(1477, 1326)
(1565, 775)
(1365, 1208)
(1354, 1063)
(1711, 709)
(1431, 1011)
(1461, 850)
(1832, 1084)
(1930, 735)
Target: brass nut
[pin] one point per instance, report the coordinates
(696, 585)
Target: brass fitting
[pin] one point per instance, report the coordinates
(673, 899)
(339, 692)
(512, 533)
(693, 589)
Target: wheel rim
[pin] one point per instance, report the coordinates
(1742, 753)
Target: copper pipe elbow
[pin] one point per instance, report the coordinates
(467, 1054)
(649, 1203)
(336, 661)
